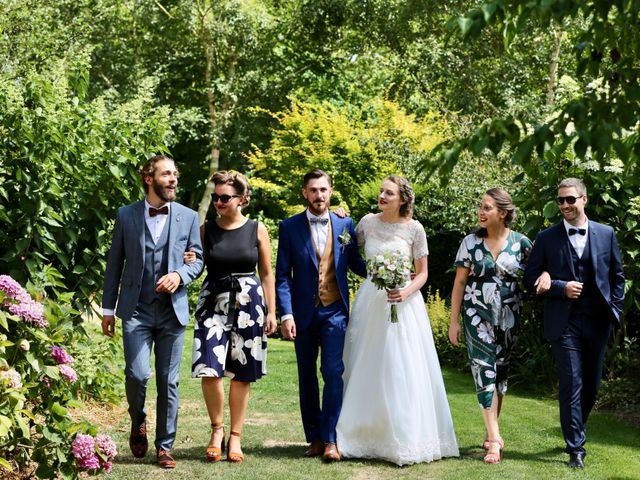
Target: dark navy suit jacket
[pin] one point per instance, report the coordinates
(552, 253)
(297, 265)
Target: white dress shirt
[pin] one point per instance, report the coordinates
(155, 224)
(578, 242)
(319, 232)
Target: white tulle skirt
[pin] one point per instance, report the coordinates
(395, 406)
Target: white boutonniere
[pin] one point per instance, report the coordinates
(345, 238)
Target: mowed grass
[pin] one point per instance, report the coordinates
(273, 440)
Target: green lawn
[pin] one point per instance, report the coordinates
(273, 440)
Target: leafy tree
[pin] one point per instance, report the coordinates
(67, 164)
(358, 146)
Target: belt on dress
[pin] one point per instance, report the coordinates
(229, 283)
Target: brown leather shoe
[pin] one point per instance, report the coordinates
(165, 459)
(138, 442)
(315, 449)
(331, 453)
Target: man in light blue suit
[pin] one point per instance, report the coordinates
(583, 300)
(147, 279)
(316, 249)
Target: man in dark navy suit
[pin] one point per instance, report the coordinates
(584, 298)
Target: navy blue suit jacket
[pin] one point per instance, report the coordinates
(297, 265)
(552, 253)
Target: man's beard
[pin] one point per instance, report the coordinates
(167, 196)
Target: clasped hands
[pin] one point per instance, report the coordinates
(572, 289)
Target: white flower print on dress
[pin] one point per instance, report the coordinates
(259, 315)
(220, 351)
(471, 293)
(255, 346)
(222, 303)
(485, 332)
(195, 355)
(246, 283)
(216, 326)
(202, 370)
(245, 320)
(237, 352)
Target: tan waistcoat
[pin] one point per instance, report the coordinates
(328, 291)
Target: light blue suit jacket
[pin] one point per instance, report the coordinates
(125, 264)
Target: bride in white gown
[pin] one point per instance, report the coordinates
(395, 406)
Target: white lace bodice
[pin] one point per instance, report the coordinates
(377, 237)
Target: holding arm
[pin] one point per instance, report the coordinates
(459, 284)
(267, 278)
(284, 284)
(187, 272)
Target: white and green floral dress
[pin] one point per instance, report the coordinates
(491, 308)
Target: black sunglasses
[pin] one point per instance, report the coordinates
(223, 198)
(569, 199)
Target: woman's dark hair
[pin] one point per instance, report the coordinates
(406, 194)
(238, 181)
(504, 203)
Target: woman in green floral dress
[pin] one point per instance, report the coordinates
(489, 264)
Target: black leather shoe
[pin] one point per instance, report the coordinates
(576, 460)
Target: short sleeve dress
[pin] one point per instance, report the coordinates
(491, 308)
(229, 338)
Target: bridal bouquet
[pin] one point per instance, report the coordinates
(388, 271)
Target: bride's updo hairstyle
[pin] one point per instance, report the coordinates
(406, 194)
(238, 181)
(504, 204)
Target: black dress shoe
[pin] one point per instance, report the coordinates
(576, 460)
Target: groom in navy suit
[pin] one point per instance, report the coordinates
(147, 279)
(316, 249)
(584, 298)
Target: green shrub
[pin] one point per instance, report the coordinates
(38, 382)
(440, 318)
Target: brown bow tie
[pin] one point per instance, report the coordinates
(158, 211)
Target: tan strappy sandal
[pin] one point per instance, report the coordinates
(214, 454)
(234, 457)
(492, 456)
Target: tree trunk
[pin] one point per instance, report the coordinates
(553, 67)
(205, 202)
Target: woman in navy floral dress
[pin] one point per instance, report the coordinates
(235, 312)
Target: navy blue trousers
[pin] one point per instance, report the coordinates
(325, 333)
(579, 357)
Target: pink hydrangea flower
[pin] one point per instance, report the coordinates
(108, 466)
(68, 372)
(10, 287)
(106, 446)
(30, 311)
(15, 380)
(47, 381)
(89, 463)
(60, 355)
(83, 446)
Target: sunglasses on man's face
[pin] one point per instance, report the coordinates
(570, 199)
(223, 198)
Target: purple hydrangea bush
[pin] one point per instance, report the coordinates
(37, 434)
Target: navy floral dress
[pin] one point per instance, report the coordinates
(229, 338)
(491, 308)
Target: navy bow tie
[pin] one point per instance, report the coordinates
(321, 221)
(580, 231)
(158, 211)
